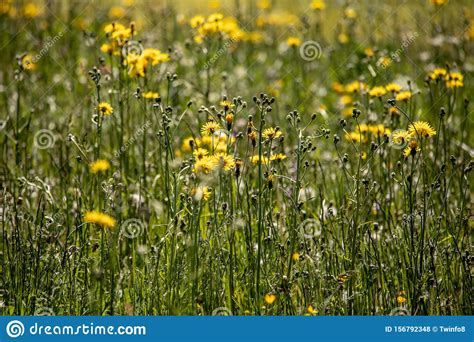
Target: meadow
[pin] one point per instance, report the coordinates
(263, 157)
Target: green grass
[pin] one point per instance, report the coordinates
(345, 227)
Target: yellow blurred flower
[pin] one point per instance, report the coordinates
(105, 108)
(293, 41)
(270, 298)
(101, 219)
(99, 165)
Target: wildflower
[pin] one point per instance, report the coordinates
(355, 86)
(271, 133)
(342, 278)
(400, 137)
(377, 92)
(226, 161)
(337, 87)
(355, 137)
(270, 298)
(393, 87)
(99, 165)
(264, 4)
(311, 310)
(204, 165)
(188, 144)
(100, 219)
(210, 128)
(31, 10)
(350, 13)
(200, 153)
(454, 80)
(438, 73)
(369, 52)
(421, 128)
(28, 62)
(227, 104)
(411, 149)
(201, 193)
(401, 299)
(438, 2)
(345, 100)
(255, 159)
(277, 157)
(318, 5)
(214, 4)
(116, 12)
(293, 41)
(295, 256)
(403, 96)
(197, 21)
(151, 95)
(105, 108)
(343, 38)
(229, 119)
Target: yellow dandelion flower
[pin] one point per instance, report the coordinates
(255, 159)
(100, 219)
(277, 157)
(200, 153)
(400, 137)
(403, 96)
(295, 256)
(355, 137)
(401, 299)
(226, 161)
(204, 165)
(437, 73)
(201, 193)
(105, 108)
(28, 62)
(350, 13)
(411, 149)
(271, 133)
(151, 95)
(227, 104)
(393, 87)
(210, 128)
(421, 128)
(99, 165)
(318, 5)
(311, 310)
(197, 21)
(270, 298)
(264, 4)
(377, 92)
(454, 80)
(293, 41)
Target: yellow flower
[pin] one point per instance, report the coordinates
(105, 108)
(343, 38)
(226, 161)
(401, 299)
(270, 298)
(227, 104)
(318, 5)
(255, 159)
(264, 4)
(31, 10)
(421, 128)
(116, 12)
(99, 165)
(311, 310)
(28, 62)
(277, 157)
(210, 128)
(296, 256)
(188, 143)
(200, 153)
(293, 41)
(345, 100)
(393, 87)
(355, 86)
(197, 21)
(350, 13)
(100, 219)
(204, 165)
(438, 2)
(454, 80)
(201, 193)
(369, 52)
(400, 137)
(110, 28)
(214, 4)
(438, 73)
(151, 95)
(403, 96)
(411, 149)
(377, 92)
(271, 133)
(355, 137)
